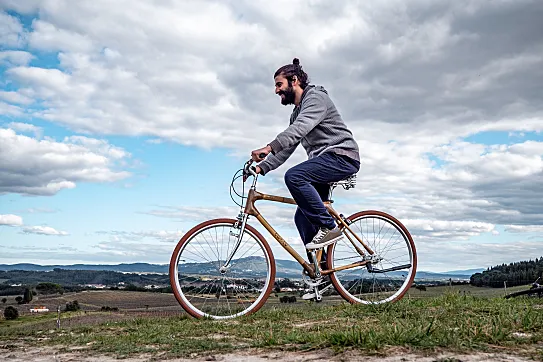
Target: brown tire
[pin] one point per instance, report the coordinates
(411, 260)
(185, 241)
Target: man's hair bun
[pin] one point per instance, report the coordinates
(294, 69)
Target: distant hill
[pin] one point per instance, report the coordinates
(123, 268)
(423, 275)
(466, 271)
(284, 269)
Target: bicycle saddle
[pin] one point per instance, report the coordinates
(347, 183)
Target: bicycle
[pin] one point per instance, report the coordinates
(226, 279)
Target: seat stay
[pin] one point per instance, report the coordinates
(343, 224)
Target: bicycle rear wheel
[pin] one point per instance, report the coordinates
(203, 288)
(392, 272)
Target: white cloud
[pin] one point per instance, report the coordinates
(10, 110)
(48, 37)
(11, 220)
(448, 256)
(15, 220)
(194, 213)
(26, 128)
(15, 57)
(45, 167)
(135, 251)
(198, 101)
(43, 230)
(159, 235)
(23, 7)
(436, 230)
(488, 76)
(411, 82)
(41, 210)
(15, 97)
(11, 31)
(524, 228)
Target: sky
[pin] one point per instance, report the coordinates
(123, 123)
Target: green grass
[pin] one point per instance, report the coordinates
(449, 322)
(468, 290)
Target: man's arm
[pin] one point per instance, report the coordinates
(313, 112)
(275, 160)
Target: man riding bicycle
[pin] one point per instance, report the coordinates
(332, 152)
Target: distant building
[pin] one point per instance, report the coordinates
(236, 286)
(41, 309)
(96, 286)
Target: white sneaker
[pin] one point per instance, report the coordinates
(325, 237)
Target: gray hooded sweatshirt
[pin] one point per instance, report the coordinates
(317, 125)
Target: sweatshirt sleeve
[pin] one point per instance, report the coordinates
(275, 160)
(312, 113)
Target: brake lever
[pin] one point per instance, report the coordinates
(251, 170)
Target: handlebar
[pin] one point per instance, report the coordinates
(249, 170)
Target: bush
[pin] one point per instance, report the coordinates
(49, 288)
(109, 309)
(11, 313)
(72, 306)
(288, 299)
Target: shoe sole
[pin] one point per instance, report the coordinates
(311, 246)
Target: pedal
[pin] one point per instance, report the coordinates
(316, 293)
(309, 296)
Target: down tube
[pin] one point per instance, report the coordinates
(283, 243)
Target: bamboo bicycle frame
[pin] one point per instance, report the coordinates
(250, 209)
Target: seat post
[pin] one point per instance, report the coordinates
(348, 183)
(332, 187)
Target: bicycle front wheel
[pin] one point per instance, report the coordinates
(392, 270)
(205, 287)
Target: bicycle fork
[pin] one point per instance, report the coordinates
(242, 218)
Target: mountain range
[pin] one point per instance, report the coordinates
(284, 269)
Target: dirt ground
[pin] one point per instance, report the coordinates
(48, 354)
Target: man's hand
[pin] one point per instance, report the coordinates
(257, 170)
(255, 155)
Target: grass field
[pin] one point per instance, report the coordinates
(441, 318)
(468, 290)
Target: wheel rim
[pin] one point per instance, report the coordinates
(204, 290)
(391, 242)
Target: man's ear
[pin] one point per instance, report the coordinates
(294, 79)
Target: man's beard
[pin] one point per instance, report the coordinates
(289, 96)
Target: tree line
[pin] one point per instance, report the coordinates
(512, 274)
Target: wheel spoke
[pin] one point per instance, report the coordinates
(204, 287)
(394, 260)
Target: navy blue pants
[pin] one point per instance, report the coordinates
(308, 185)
